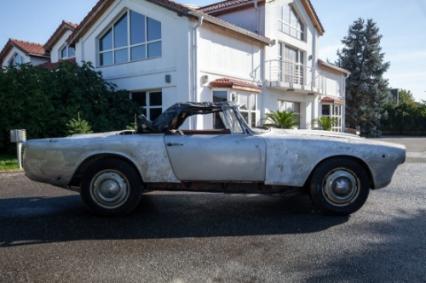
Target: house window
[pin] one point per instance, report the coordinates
(291, 24)
(248, 107)
(67, 52)
(219, 96)
(334, 111)
(133, 37)
(16, 60)
(292, 64)
(150, 102)
(289, 106)
(246, 102)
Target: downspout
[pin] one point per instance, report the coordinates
(194, 62)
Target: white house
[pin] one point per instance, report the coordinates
(57, 45)
(293, 77)
(260, 54)
(17, 52)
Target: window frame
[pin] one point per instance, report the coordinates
(298, 67)
(333, 114)
(129, 46)
(251, 97)
(148, 107)
(297, 114)
(234, 97)
(302, 32)
(65, 47)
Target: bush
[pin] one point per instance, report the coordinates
(327, 123)
(281, 119)
(404, 119)
(43, 101)
(78, 126)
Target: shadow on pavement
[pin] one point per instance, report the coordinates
(25, 221)
(397, 255)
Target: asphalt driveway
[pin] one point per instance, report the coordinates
(47, 235)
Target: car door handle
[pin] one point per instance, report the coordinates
(174, 144)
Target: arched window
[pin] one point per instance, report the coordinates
(291, 23)
(133, 37)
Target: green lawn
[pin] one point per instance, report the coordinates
(8, 163)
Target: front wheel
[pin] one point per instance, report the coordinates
(111, 187)
(340, 186)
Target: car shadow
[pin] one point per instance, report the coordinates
(35, 220)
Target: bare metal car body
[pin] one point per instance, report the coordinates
(275, 158)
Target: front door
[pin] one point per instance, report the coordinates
(217, 157)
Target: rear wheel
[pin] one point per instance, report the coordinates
(111, 187)
(339, 186)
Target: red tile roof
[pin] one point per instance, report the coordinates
(62, 28)
(215, 7)
(52, 66)
(29, 48)
(182, 10)
(234, 84)
(332, 100)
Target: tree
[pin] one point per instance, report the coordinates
(281, 119)
(365, 87)
(406, 97)
(43, 101)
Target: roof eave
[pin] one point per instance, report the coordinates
(59, 32)
(314, 16)
(327, 67)
(218, 22)
(179, 9)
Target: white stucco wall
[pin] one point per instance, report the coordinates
(54, 53)
(227, 55)
(27, 59)
(224, 55)
(147, 74)
(331, 84)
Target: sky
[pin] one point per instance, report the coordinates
(401, 22)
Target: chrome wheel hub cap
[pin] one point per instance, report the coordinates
(341, 187)
(109, 189)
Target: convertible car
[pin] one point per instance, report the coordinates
(113, 170)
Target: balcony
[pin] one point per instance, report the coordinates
(291, 76)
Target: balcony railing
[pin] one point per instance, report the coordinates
(287, 74)
(291, 74)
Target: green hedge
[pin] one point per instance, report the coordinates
(404, 119)
(43, 101)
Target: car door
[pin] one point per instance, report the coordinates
(222, 157)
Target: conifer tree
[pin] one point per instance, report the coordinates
(365, 87)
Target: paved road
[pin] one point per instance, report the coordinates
(46, 235)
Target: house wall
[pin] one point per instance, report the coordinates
(54, 53)
(147, 74)
(272, 30)
(27, 59)
(251, 18)
(218, 53)
(331, 84)
(224, 55)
